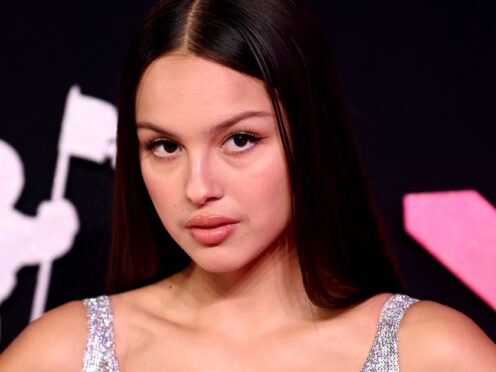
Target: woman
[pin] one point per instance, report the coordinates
(244, 236)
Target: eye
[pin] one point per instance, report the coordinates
(162, 148)
(240, 142)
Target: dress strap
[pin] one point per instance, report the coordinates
(383, 355)
(99, 355)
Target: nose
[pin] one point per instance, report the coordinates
(203, 184)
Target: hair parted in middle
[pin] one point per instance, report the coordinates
(341, 246)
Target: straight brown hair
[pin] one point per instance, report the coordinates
(342, 249)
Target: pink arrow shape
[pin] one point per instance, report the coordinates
(459, 229)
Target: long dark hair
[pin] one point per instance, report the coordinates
(342, 250)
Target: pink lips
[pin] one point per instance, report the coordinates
(210, 229)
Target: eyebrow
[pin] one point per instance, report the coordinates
(223, 125)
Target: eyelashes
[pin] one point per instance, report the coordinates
(236, 143)
(241, 141)
(162, 147)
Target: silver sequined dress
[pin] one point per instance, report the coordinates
(99, 355)
(100, 347)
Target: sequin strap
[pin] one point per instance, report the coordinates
(99, 355)
(383, 355)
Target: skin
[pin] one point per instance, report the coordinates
(241, 305)
(190, 110)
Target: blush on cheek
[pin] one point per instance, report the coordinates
(157, 194)
(275, 194)
(277, 179)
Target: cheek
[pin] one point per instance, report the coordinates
(269, 198)
(161, 190)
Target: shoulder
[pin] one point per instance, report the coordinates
(434, 337)
(56, 341)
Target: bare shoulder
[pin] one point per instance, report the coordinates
(54, 342)
(434, 337)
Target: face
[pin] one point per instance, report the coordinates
(212, 160)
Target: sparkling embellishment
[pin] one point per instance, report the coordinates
(383, 355)
(100, 352)
(100, 348)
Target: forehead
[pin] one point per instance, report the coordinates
(180, 88)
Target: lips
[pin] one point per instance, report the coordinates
(211, 230)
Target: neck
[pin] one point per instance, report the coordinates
(266, 293)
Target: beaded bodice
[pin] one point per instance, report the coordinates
(100, 346)
(383, 355)
(99, 355)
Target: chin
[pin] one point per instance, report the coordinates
(223, 262)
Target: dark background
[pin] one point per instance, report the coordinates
(418, 78)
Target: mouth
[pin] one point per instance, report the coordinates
(211, 230)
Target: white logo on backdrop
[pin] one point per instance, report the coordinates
(88, 132)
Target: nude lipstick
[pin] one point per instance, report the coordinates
(211, 230)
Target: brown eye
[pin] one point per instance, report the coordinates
(168, 146)
(240, 142)
(163, 148)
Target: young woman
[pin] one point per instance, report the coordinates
(244, 237)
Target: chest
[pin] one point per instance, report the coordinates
(173, 348)
(183, 352)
